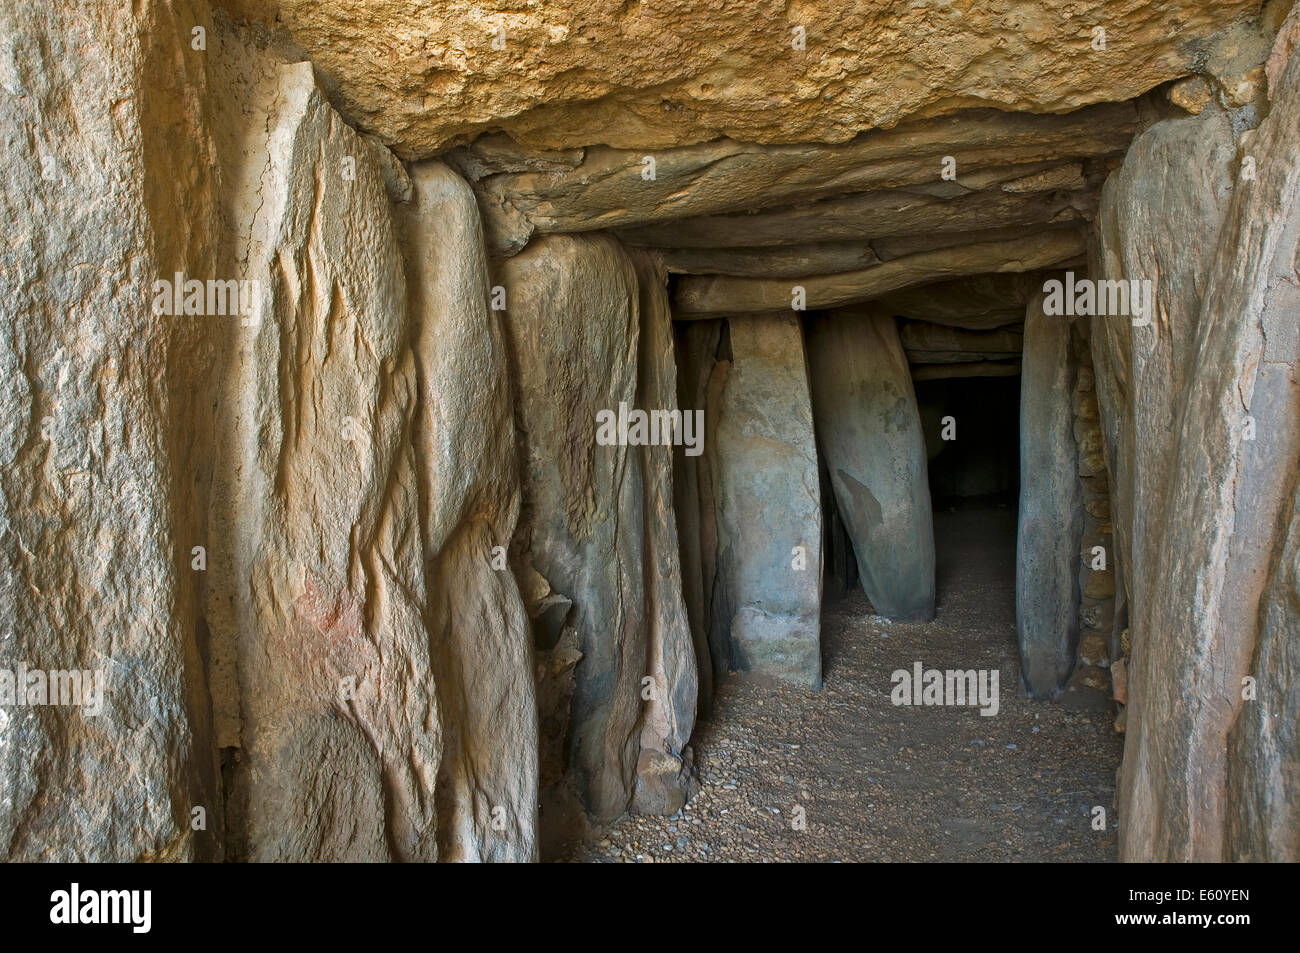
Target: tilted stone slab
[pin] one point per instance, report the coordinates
(465, 456)
(869, 430)
(576, 323)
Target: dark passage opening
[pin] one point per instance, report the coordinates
(982, 458)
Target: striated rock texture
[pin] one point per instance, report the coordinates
(324, 593)
(1209, 766)
(597, 525)
(1178, 173)
(487, 803)
(360, 580)
(1006, 169)
(701, 375)
(926, 343)
(667, 72)
(869, 431)
(1050, 520)
(706, 296)
(766, 598)
(663, 779)
(252, 544)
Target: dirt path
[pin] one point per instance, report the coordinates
(878, 782)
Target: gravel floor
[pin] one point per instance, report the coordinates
(877, 782)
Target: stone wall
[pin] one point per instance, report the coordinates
(1096, 543)
(1201, 442)
(361, 577)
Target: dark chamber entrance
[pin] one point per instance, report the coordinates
(983, 461)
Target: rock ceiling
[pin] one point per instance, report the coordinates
(657, 73)
(775, 166)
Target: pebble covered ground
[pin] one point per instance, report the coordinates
(872, 781)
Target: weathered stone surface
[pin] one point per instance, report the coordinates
(1203, 507)
(930, 206)
(322, 588)
(787, 261)
(869, 431)
(927, 343)
(576, 322)
(97, 440)
(767, 599)
(900, 246)
(983, 302)
(663, 73)
(699, 296)
(614, 188)
(1051, 507)
(663, 782)
(1232, 576)
(700, 377)
(1263, 747)
(465, 454)
(1176, 182)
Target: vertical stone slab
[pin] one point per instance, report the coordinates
(1051, 507)
(668, 716)
(700, 376)
(1207, 774)
(576, 320)
(1175, 182)
(325, 593)
(869, 430)
(764, 462)
(482, 657)
(107, 186)
(1232, 565)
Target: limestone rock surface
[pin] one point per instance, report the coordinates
(322, 589)
(481, 651)
(1204, 510)
(97, 441)
(666, 72)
